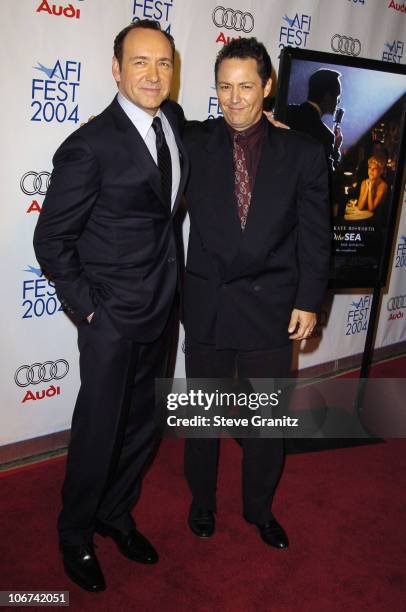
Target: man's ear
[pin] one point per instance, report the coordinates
(267, 88)
(115, 68)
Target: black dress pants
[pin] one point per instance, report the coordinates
(113, 429)
(263, 458)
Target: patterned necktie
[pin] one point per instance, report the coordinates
(164, 160)
(242, 187)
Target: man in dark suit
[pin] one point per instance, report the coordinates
(323, 97)
(106, 237)
(257, 266)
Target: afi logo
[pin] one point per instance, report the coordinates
(54, 91)
(38, 295)
(357, 316)
(33, 270)
(158, 10)
(400, 255)
(393, 51)
(295, 31)
(213, 106)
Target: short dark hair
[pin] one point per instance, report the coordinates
(245, 48)
(147, 24)
(323, 81)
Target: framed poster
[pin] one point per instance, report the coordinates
(356, 109)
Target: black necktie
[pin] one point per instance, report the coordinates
(164, 160)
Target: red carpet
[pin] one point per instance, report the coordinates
(344, 511)
(391, 368)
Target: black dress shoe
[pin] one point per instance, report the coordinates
(201, 522)
(273, 534)
(132, 544)
(82, 566)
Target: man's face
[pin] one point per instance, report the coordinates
(333, 100)
(146, 69)
(240, 92)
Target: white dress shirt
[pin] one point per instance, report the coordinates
(142, 121)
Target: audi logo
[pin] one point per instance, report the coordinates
(396, 303)
(41, 372)
(233, 20)
(35, 182)
(346, 45)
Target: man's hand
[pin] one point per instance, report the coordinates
(304, 321)
(338, 137)
(90, 118)
(271, 119)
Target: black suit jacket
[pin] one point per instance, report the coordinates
(105, 234)
(240, 287)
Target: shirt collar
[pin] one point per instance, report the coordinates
(316, 106)
(255, 129)
(140, 118)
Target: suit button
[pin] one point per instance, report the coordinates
(171, 259)
(257, 287)
(224, 286)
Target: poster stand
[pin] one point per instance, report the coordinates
(362, 236)
(368, 348)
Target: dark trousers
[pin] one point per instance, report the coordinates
(113, 429)
(262, 457)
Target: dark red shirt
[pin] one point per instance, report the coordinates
(251, 141)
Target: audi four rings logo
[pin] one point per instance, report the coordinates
(41, 372)
(35, 182)
(233, 20)
(396, 303)
(346, 45)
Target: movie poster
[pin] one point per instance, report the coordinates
(357, 113)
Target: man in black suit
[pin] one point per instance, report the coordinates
(257, 266)
(323, 97)
(106, 237)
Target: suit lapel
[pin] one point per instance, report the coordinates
(143, 160)
(259, 219)
(138, 150)
(219, 149)
(183, 157)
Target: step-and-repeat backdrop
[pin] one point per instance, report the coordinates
(56, 72)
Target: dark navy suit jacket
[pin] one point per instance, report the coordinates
(105, 234)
